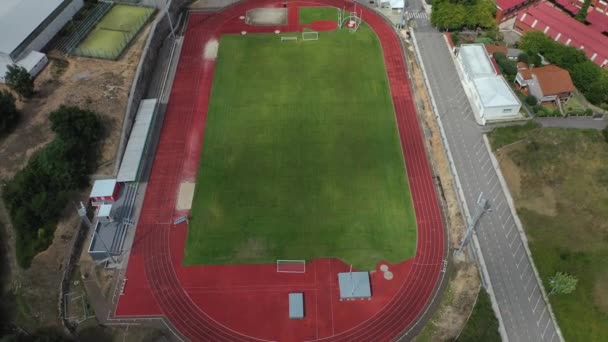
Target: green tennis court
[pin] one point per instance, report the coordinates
(114, 32)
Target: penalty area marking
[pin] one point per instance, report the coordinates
(185, 196)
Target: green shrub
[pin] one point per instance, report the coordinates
(531, 100)
(37, 195)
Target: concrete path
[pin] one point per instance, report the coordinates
(573, 122)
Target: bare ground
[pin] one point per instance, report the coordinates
(463, 287)
(98, 85)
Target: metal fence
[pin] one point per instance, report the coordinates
(113, 53)
(66, 44)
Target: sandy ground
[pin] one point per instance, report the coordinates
(267, 16)
(211, 48)
(463, 286)
(185, 195)
(98, 85)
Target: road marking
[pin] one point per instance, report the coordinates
(512, 241)
(535, 305)
(534, 289)
(542, 314)
(545, 330)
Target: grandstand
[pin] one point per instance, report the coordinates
(27, 26)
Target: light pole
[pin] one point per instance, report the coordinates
(482, 207)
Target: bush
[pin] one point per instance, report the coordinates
(524, 58)
(454, 15)
(531, 100)
(9, 115)
(455, 37)
(507, 66)
(37, 195)
(19, 80)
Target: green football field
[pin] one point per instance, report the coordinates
(301, 156)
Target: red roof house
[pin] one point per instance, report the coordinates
(564, 29)
(549, 83)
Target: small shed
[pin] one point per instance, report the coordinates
(104, 213)
(104, 190)
(296, 305)
(354, 285)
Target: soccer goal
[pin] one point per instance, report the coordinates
(287, 39)
(291, 266)
(310, 35)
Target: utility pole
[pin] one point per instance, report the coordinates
(482, 207)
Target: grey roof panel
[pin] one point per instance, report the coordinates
(354, 285)
(296, 305)
(131, 160)
(19, 18)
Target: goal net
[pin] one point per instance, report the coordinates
(291, 266)
(310, 35)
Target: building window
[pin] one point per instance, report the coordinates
(507, 110)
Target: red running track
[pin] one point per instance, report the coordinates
(249, 302)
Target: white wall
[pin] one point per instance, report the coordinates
(52, 28)
(501, 113)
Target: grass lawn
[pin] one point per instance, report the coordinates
(482, 325)
(114, 31)
(301, 156)
(311, 14)
(561, 191)
(512, 134)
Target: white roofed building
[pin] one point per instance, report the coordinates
(491, 97)
(27, 26)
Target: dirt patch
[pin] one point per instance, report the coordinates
(266, 16)
(600, 295)
(211, 48)
(544, 202)
(185, 195)
(98, 85)
(453, 316)
(251, 249)
(510, 171)
(463, 286)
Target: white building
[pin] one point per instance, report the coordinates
(491, 97)
(26, 26)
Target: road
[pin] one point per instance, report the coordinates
(523, 311)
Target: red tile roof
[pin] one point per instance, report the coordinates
(495, 48)
(570, 5)
(566, 30)
(552, 79)
(598, 20)
(508, 4)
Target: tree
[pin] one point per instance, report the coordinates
(531, 100)
(19, 80)
(72, 123)
(9, 115)
(598, 90)
(534, 42)
(581, 15)
(524, 58)
(585, 74)
(562, 283)
(507, 66)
